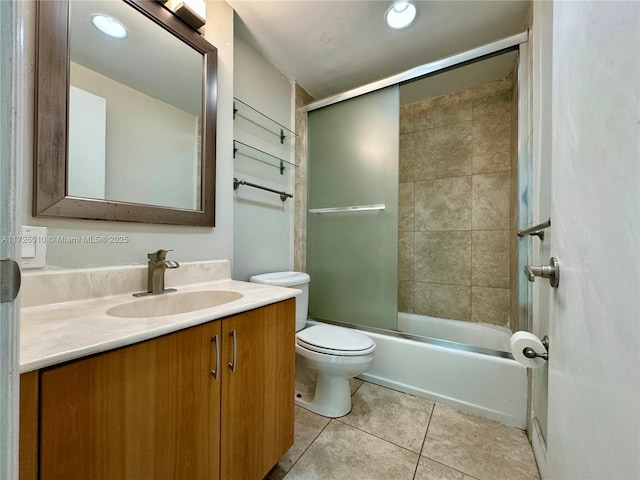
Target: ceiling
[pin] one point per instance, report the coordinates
(330, 47)
(150, 60)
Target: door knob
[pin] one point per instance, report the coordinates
(10, 284)
(551, 271)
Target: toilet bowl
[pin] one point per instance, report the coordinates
(327, 356)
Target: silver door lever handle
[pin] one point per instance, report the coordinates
(551, 271)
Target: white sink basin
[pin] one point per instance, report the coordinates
(173, 303)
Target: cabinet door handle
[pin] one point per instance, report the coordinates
(214, 371)
(233, 363)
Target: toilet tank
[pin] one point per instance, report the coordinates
(299, 280)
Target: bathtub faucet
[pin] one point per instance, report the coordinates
(156, 267)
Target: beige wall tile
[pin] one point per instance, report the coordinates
(405, 256)
(444, 301)
(406, 207)
(300, 222)
(300, 250)
(492, 126)
(407, 164)
(300, 200)
(516, 276)
(492, 99)
(462, 160)
(300, 150)
(444, 110)
(490, 305)
(405, 297)
(444, 151)
(302, 97)
(491, 144)
(490, 264)
(443, 204)
(443, 257)
(490, 200)
(407, 118)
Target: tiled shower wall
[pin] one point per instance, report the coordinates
(455, 205)
(300, 189)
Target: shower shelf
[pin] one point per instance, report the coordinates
(261, 120)
(257, 123)
(240, 148)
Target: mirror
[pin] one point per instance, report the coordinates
(125, 127)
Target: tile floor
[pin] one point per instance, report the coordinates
(390, 435)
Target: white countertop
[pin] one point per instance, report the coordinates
(59, 332)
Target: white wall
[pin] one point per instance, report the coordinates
(594, 366)
(263, 224)
(188, 243)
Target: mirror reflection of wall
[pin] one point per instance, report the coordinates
(134, 118)
(87, 138)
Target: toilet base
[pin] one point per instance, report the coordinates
(332, 397)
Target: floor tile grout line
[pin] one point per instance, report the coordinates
(388, 442)
(319, 433)
(450, 467)
(433, 408)
(376, 436)
(358, 388)
(308, 447)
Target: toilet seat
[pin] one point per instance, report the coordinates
(333, 340)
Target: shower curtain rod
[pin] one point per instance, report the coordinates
(488, 49)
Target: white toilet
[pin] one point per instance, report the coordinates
(327, 356)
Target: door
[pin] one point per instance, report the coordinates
(540, 248)
(258, 390)
(146, 411)
(9, 275)
(593, 427)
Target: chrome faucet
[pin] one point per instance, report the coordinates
(155, 273)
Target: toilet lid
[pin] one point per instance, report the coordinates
(335, 340)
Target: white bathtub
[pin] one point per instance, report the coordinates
(478, 334)
(490, 385)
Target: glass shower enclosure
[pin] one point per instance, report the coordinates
(352, 222)
(415, 195)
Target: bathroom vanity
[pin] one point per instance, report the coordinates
(200, 398)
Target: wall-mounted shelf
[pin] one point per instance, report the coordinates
(261, 120)
(267, 124)
(240, 148)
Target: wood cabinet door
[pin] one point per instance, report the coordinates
(146, 411)
(258, 392)
(28, 459)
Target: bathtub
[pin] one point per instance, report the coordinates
(481, 379)
(481, 335)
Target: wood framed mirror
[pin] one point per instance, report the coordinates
(164, 132)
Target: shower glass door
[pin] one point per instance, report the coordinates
(352, 254)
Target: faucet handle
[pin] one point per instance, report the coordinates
(159, 255)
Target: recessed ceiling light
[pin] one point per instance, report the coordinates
(400, 15)
(109, 26)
